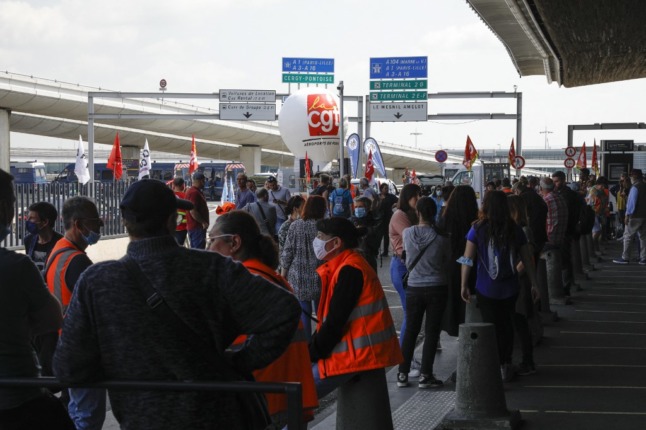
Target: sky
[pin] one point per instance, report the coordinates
(208, 45)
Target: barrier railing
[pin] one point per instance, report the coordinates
(291, 389)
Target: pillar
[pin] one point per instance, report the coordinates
(4, 139)
(250, 157)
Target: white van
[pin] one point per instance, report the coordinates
(376, 183)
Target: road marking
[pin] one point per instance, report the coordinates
(609, 312)
(606, 321)
(638, 348)
(524, 411)
(594, 387)
(615, 295)
(638, 366)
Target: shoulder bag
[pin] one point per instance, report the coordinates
(412, 266)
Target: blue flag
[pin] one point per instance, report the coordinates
(353, 144)
(371, 144)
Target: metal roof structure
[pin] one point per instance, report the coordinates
(572, 42)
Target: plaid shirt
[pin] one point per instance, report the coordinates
(556, 218)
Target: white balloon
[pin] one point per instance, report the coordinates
(310, 122)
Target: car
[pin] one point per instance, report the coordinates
(429, 182)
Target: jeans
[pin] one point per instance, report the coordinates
(197, 238)
(500, 313)
(325, 386)
(397, 272)
(419, 301)
(87, 407)
(306, 305)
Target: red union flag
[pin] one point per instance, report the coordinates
(308, 170)
(115, 163)
(582, 161)
(512, 154)
(322, 115)
(370, 167)
(595, 162)
(193, 164)
(470, 154)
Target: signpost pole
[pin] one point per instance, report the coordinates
(341, 131)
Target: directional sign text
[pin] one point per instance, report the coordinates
(241, 96)
(304, 78)
(247, 112)
(398, 95)
(399, 85)
(398, 67)
(398, 112)
(313, 65)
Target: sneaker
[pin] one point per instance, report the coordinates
(429, 381)
(507, 372)
(642, 262)
(526, 369)
(402, 380)
(415, 367)
(620, 261)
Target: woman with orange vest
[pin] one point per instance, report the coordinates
(355, 331)
(236, 234)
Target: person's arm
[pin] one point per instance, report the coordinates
(527, 257)
(44, 310)
(76, 267)
(632, 202)
(469, 257)
(287, 253)
(268, 314)
(346, 295)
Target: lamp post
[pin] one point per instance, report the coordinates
(416, 133)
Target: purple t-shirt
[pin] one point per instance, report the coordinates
(504, 286)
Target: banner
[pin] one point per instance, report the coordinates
(193, 164)
(470, 154)
(225, 190)
(370, 168)
(308, 169)
(353, 143)
(80, 169)
(371, 145)
(115, 163)
(595, 161)
(144, 163)
(582, 161)
(232, 190)
(512, 155)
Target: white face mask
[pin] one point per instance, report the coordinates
(319, 248)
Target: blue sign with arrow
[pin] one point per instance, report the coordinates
(310, 65)
(399, 68)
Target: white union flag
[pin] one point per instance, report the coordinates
(144, 163)
(80, 169)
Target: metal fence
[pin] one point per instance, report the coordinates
(292, 390)
(106, 196)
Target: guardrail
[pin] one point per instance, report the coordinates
(291, 389)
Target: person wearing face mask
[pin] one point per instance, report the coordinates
(439, 201)
(349, 341)
(26, 309)
(64, 267)
(363, 217)
(41, 237)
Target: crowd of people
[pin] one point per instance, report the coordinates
(185, 303)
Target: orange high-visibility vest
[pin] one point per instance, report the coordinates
(56, 268)
(294, 364)
(370, 340)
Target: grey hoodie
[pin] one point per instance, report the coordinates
(433, 267)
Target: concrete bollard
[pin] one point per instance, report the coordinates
(363, 403)
(472, 313)
(480, 401)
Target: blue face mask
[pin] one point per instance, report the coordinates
(360, 212)
(92, 237)
(31, 227)
(4, 231)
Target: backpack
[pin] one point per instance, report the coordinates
(586, 220)
(340, 208)
(500, 263)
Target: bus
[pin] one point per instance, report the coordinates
(28, 173)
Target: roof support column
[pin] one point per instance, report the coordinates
(4, 139)
(250, 157)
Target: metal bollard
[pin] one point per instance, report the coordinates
(363, 403)
(480, 401)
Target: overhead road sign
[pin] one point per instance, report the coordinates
(248, 111)
(247, 96)
(398, 112)
(312, 65)
(399, 85)
(305, 78)
(569, 163)
(398, 67)
(398, 96)
(570, 151)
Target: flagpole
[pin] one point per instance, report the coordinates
(90, 143)
(341, 131)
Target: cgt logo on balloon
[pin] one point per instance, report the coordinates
(322, 115)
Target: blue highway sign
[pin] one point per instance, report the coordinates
(398, 67)
(311, 65)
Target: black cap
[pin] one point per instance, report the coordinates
(150, 198)
(637, 173)
(198, 176)
(271, 179)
